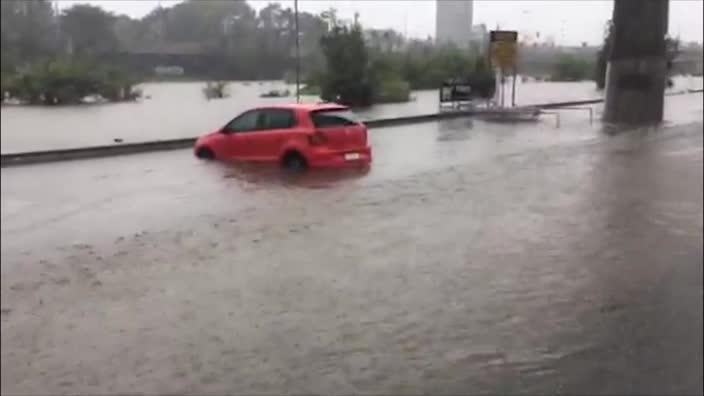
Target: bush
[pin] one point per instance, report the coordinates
(428, 67)
(215, 89)
(310, 90)
(358, 76)
(569, 68)
(393, 90)
(61, 81)
(432, 66)
(388, 84)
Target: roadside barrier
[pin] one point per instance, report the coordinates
(35, 157)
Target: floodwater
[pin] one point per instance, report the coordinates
(471, 258)
(179, 110)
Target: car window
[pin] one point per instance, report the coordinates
(276, 119)
(333, 118)
(244, 122)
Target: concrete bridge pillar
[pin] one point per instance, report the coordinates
(637, 69)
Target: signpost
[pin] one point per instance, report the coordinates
(298, 55)
(504, 49)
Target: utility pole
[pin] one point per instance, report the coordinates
(513, 88)
(298, 55)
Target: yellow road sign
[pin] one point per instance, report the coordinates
(504, 48)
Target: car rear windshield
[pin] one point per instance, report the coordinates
(333, 118)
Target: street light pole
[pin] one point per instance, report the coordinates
(298, 55)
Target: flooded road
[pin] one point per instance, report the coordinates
(471, 258)
(179, 110)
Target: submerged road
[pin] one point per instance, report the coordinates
(472, 258)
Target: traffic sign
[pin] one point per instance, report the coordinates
(503, 44)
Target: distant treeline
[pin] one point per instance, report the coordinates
(246, 44)
(218, 39)
(213, 40)
(229, 40)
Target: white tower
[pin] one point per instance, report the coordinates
(453, 22)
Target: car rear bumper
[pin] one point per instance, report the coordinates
(325, 158)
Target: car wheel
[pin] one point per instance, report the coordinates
(295, 162)
(205, 153)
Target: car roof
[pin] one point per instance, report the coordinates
(306, 106)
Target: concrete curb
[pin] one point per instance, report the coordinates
(36, 157)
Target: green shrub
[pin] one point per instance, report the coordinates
(393, 90)
(62, 81)
(310, 90)
(569, 68)
(359, 76)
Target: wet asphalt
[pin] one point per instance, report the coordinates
(471, 258)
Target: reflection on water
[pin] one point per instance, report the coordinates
(179, 110)
(455, 130)
(258, 175)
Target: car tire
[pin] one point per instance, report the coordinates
(295, 162)
(205, 153)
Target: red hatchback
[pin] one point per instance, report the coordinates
(296, 136)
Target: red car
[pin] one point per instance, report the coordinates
(296, 136)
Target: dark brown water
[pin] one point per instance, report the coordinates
(179, 110)
(471, 258)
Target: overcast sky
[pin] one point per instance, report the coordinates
(567, 22)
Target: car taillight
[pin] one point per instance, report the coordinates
(317, 139)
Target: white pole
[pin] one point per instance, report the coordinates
(298, 56)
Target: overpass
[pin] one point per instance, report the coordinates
(195, 63)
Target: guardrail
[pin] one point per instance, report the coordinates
(35, 157)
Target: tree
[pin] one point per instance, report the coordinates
(276, 38)
(89, 30)
(569, 68)
(201, 21)
(127, 32)
(311, 30)
(228, 39)
(28, 32)
(347, 78)
(330, 18)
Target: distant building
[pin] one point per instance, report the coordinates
(453, 22)
(479, 38)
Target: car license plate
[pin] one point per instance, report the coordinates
(351, 156)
